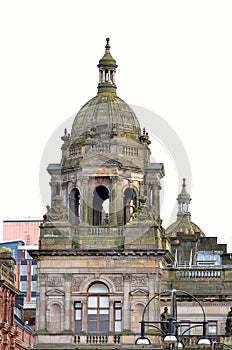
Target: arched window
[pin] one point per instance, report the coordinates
(100, 205)
(130, 203)
(98, 308)
(74, 206)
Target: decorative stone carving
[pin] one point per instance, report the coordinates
(118, 282)
(43, 277)
(55, 281)
(76, 283)
(127, 277)
(57, 212)
(139, 280)
(139, 291)
(68, 277)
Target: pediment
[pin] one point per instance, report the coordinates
(139, 291)
(55, 292)
(98, 161)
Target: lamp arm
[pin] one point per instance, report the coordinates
(150, 300)
(151, 325)
(192, 296)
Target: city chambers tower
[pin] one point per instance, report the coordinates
(103, 250)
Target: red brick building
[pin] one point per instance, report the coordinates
(27, 230)
(14, 333)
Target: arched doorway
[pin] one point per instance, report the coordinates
(100, 205)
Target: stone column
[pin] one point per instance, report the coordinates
(67, 301)
(41, 304)
(156, 197)
(84, 200)
(113, 202)
(126, 306)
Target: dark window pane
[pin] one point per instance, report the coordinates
(104, 317)
(104, 327)
(92, 326)
(23, 278)
(23, 262)
(78, 327)
(92, 317)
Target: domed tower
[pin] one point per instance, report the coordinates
(184, 235)
(105, 185)
(102, 248)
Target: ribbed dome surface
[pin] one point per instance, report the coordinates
(104, 113)
(184, 225)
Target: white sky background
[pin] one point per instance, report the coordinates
(174, 58)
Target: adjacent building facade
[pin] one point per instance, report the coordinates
(14, 333)
(103, 253)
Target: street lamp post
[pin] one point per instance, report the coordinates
(172, 337)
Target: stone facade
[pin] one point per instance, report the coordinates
(103, 253)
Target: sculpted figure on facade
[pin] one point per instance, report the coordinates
(57, 212)
(229, 323)
(164, 317)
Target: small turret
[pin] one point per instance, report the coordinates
(107, 69)
(183, 202)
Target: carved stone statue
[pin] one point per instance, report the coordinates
(57, 212)
(164, 318)
(229, 323)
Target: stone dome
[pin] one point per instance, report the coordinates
(103, 115)
(106, 115)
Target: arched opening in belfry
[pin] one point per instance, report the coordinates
(100, 205)
(130, 204)
(74, 206)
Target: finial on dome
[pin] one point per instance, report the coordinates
(184, 183)
(107, 68)
(107, 44)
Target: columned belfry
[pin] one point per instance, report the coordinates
(102, 246)
(105, 186)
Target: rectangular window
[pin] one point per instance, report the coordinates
(33, 269)
(23, 286)
(212, 327)
(33, 294)
(185, 329)
(117, 316)
(33, 286)
(23, 267)
(78, 316)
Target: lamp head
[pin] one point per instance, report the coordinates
(142, 341)
(204, 341)
(170, 339)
